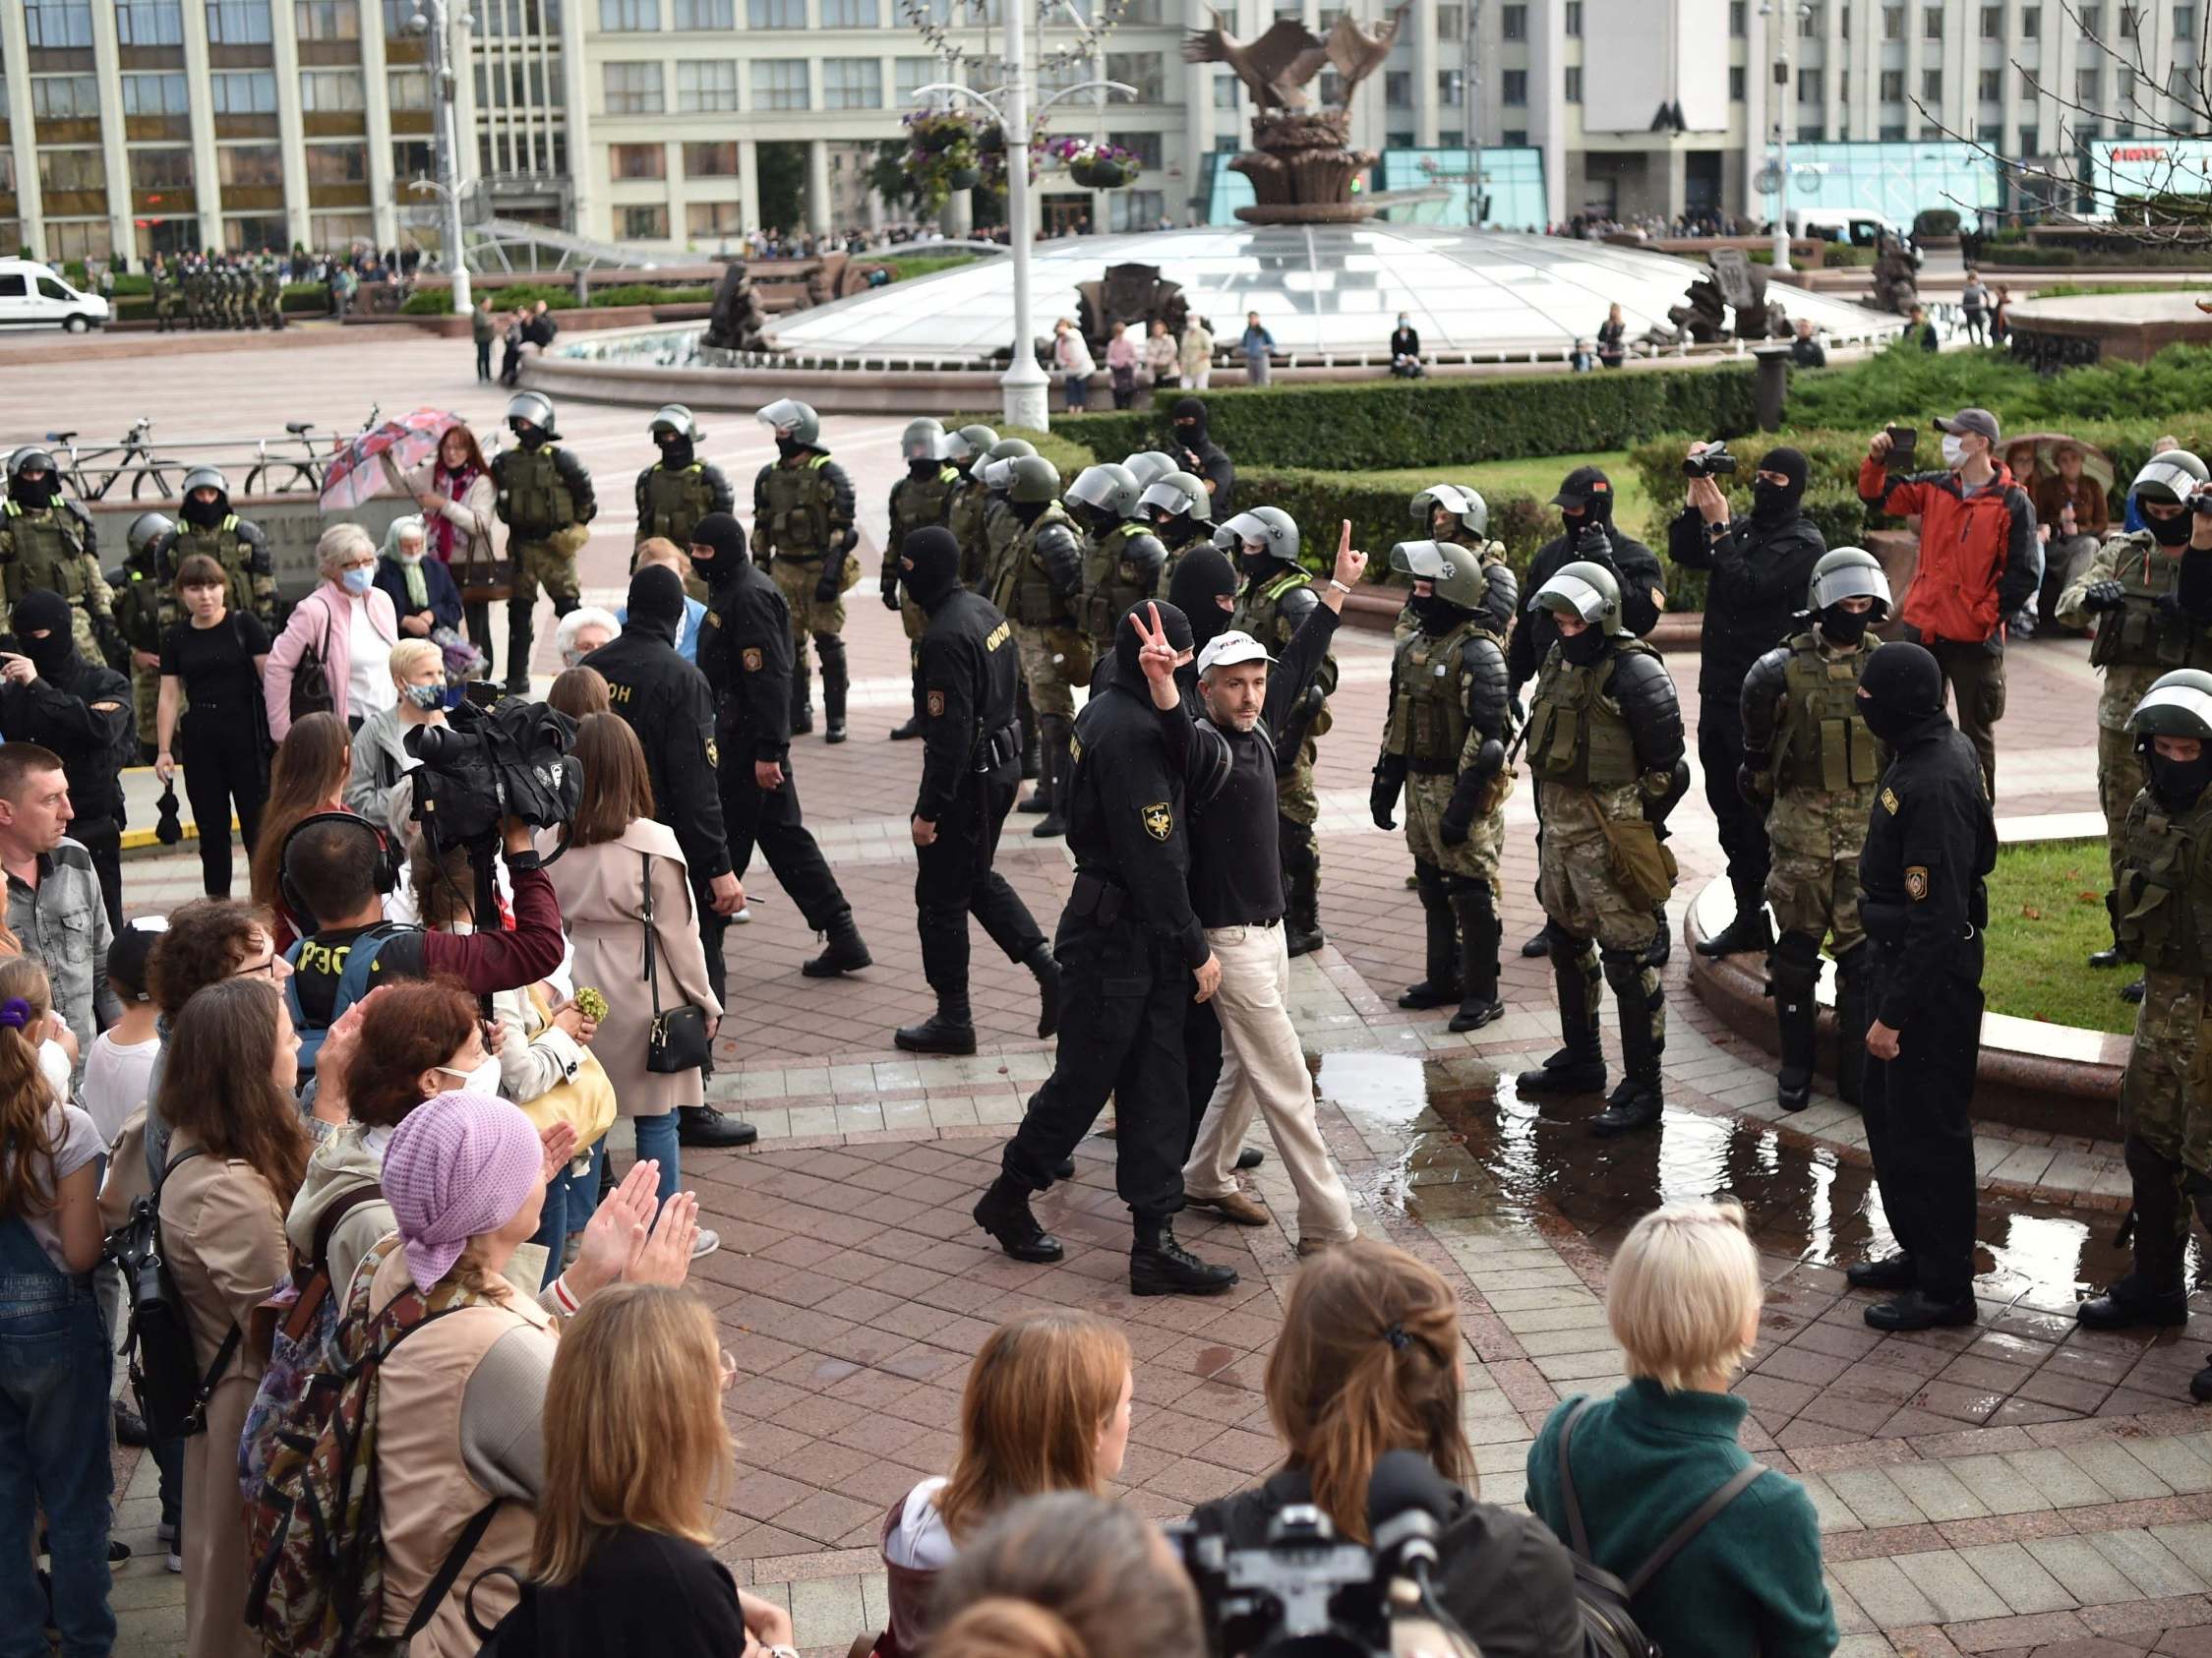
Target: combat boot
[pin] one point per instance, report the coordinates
(1159, 1266)
(1441, 988)
(1538, 943)
(1851, 1024)
(846, 952)
(1031, 759)
(1579, 1066)
(2109, 958)
(834, 683)
(1793, 977)
(1054, 783)
(950, 1029)
(1044, 968)
(517, 648)
(913, 727)
(1003, 1211)
(1636, 1103)
(1748, 931)
(1479, 932)
(801, 692)
(1301, 871)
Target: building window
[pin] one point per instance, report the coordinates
(1448, 88)
(242, 91)
(337, 163)
(775, 14)
(155, 95)
(326, 92)
(858, 14)
(779, 84)
(1809, 23)
(2122, 90)
(1135, 210)
(644, 223)
(57, 24)
(326, 20)
(1811, 83)
(704, 219)
(1992, 23)
(851, 83)
(636, 161)
(1993, 85)
(628, 17)
(68, 239)
(2031, 142)
(2031, 22)
(1930, 23)
(70, 170)
(1739, 18)
(407, 90)
(1145, 71)
(1513, 22)
(1450, 21)
(1892, 22)
(1145, 146)
(250, 167)
(1893, 85)
(1892, 133)
(1735, 83)
(413, 158)
(1224, 91)
(1931, 86)
(149, 22)
(65, 98)
(634, 88)
(160, 169)
(238, 22)
(706, 87)
(1398, 140)
(702, 14)
(1515, 89)
(1572, 12)
(2185, 23)
(1571, 81)
(2085, 84)
(2092, 20)
(712, 160)
(1398, 87)
(910, 75)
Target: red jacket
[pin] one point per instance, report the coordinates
(1979, 557)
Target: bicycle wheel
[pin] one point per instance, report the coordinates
(151, 482)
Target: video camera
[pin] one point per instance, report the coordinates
(1307, 1593)
(486, 765)
(1711, 461)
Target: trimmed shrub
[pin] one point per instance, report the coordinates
(1935, 221)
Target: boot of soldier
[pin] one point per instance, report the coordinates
(801, 692)
(1661, 950)
(1579, 1066)
(950, 1029)
(1045, 970)
(846, 951)
(1480, 932)
(1636, 1103)
(1003, 1211)
(913, 727)
(1159, 1266)
(1032, 760)
(832, 649)
(1851, 1024)
(1538, 943)
(1795, 1015)
(1441, 988)
(2109, 958)
(1041, 797)
(1748, 931)
(1057, 769)
(1303, 933)
(517, 648)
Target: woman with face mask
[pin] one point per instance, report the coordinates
(421, 589)
(381, 761)
(349, 624)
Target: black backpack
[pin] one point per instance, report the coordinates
(171, 1390)
(1610, 1629)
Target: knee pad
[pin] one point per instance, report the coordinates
(1631, 979)
(831, 645)
(1471, 890)
(1566, 949)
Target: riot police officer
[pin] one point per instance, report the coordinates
(803, 525)
(1181, 513)
(965, 449)
(1148, 466)
(1444, 745)
(1046, 561)
(47, 539)
(1931, 840)
(138, 619)
(2132, 593)
(1810, 767)
(1458, 516)
(970, 772)
(2166, 890)
(995, 471)
(164, 296)
(1124, 562)
(744, 652)
(923, 497)
(272, 288)
(545, 500)
(208, 525)
(1278, 598)
(679, 489)
(1605, 748)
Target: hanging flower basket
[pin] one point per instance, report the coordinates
(991, 139)
(937, 137)
(1095, 164)
(963, 178)
(1100, 174)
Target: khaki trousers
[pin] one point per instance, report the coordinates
(1264, 1069)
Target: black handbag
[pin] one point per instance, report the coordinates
(311, 680)
(678, 1040)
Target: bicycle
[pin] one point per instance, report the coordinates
(135, 456)
(304, 473)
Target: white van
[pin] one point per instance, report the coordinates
(33, 297)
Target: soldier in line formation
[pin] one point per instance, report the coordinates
(217, 291)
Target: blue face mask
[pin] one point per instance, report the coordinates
(358, 579)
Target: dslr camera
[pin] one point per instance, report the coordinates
(1711, 461)
(486, 765)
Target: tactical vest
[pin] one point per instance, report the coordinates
(49, 553)
(676, 499)
(1037, 604)
(1001, 530)
(2136, 635)
(2164, 909)
(221, 542)
(964, 517)
(1820, 742)
(534, 498)
(137, 610)
(1579, 734)
(917, 503)
(798, 502)
(1110, 590)
(1428, 714)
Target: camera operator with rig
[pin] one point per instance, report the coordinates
(1760, 569)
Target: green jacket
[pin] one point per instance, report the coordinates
(1748, 1584)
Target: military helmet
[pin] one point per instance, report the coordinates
(1033, 480)
(2170, 478)
(533, 406)
(790, 417)
(2178, 704)
(1108, 489)
(968, 444)
(1583, 589)
(147, 529)
(1182, 495)
(1465, 504)
(997, 474)
(1149, 466)
(1271, 528)
(923, 440)
(30, 458)
(208, 478)
(1848, 572)
(673, 417)
(1454, 572)
(1009, 448)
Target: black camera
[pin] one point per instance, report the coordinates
(1713, 461)
(2201, 502)
(486, 765)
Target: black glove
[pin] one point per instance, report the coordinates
(831, 584)
(2102, 596)
(1754, 785)
(2171, 609)
(890, 593)
(1382, 798)
(1458, 816)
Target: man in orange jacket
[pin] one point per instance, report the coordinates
(1980, 561)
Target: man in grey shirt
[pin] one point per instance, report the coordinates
(54, 905)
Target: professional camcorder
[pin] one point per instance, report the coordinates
(486, 765)
(1711, 461)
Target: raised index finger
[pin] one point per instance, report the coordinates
(1344, 542)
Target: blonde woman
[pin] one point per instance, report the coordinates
(381, 761)
(1045, 1408)
(1683, 1300)
(637, 1453)
(347, 624)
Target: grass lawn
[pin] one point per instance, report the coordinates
(1539, 477)
(2047, 914)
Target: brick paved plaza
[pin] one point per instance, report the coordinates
(2016, 1487)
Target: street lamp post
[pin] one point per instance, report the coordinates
(432, 22)
(1783, 94)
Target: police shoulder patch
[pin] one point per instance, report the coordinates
(752, 659)
(936, 704)
(1159, 819)
(1916, 881)
(713, 754)
(1889, 805)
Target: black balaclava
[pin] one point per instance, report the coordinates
(1028, 512)
(676, 447)
(1177, 530)
(2168, 532)
(42, 609)
(922, 466)
(1597, 503)
(33, 492)
(201, 514)
(1192, 410)
(788, 447)
(929, 566)
(656, 604)
(529, 433)
(726, 536)
(1902, 692)
(1840, 626)
(1776, 504)
(1202, 575)
(1583, 649)
(2175, 783)
(1128, 673)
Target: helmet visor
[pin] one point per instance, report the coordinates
(1570, 595)
(2165, 481)
(2173, 711)
(1173, 497)
(1849, 581)
(783, 417)
(1419, 559)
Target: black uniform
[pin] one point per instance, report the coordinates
(1204, 458)
(1637, 567)
(1761, 568)
(1930, 838)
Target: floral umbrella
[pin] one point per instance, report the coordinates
(393, 448)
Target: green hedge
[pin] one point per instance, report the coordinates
(1910, 384)
(1391, 422)
(298, 298)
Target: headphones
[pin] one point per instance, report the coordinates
(385, 874)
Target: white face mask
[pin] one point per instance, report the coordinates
(485, 1079)
(1955, 450)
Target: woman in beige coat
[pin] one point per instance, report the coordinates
(1198, 354)
(456, 496)
(600, 881)
(237, 1148)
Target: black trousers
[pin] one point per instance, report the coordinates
(222, 767)
(1202, 1066)
(483, 359)
(1124, 999)
(2165, 1192)
(1743, 831)
(769, 818)
(102, 837)
(954, 880)
(1919, 1133)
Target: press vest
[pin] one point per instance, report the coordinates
(2165, 908)
(1036, 603)
(1110, 590)
(49, 553)
(676, 499)
(798, 502)
(1578, 733)
(1820, 742)
(534, 499)
(2135, 635)
(1428, 716)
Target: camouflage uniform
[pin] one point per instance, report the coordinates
(1122, 568)
(55, 547)
(1269, 609)
(137, 617)
(671, 501)
(272, 290)
(239, 546)
(802, 520)
(164, 300)
(545, 498)
(917, 503)
(965, 518)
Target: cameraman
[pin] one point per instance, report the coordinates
(1760, 570)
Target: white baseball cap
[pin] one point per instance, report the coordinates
(1225, 650)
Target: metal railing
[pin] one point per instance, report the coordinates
(297, 462)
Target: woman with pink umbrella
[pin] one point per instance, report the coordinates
(456, 493)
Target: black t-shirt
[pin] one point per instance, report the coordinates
(643, 1594)
(216, 664)
(322, 958)
(1235, 868)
